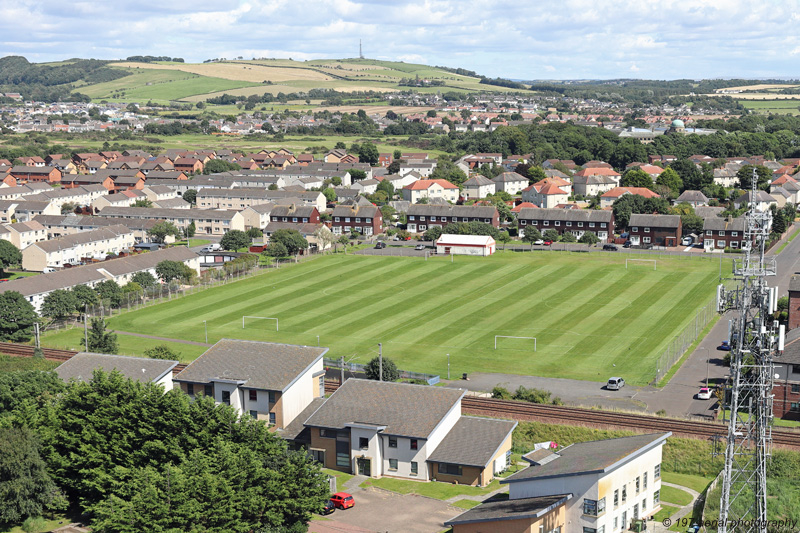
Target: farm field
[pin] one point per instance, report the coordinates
(587, 312)
(774, 106)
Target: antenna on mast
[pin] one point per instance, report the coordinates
(360, 52)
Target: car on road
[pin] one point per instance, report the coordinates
(610, 247)
(615, 383)
(343, 500)
(538, 242)
(704, 394)
(548, 242)
(328, 508)
(419, 247)
(725, 346)
(647, 246)
(213, 247)
(627, 244)
(379, 245)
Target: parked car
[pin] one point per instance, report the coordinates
(704, 394)
(615, 383)
(213, 247)
(539, 242)
(328, 508)
(627, 244)
(342, 500)
(379, 245)
(687, 241)
(610, 247)
(419, 247)
(548, 242)
(725, 346)
(647, 246)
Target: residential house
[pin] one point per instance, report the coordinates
(311, 232)
(212, 222)
(605, 171)
(694, 198)
(523, 515)
(545, 194)
(76, 248)
(268, 381)
(420, 217)
(510, 182)
(303, 214)
(257, 216)
(121, 199)
(83, 180)
(658, 230)
(25, 210)
(335, 156)
(380, 428)
(188, 165)
(430, 189)
(720, 233)
(60, 225)
(157, 193)
(25, 174)
(478, 186)
(24, 234)
(589, 186)
(367, 186)
(762, 200)
(364, 219)
(575, 221)
(81, 367)
(614, 482)
(608, 198)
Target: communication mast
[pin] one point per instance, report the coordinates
(360, 53)
(754, 339)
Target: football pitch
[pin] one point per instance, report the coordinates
(591, 316)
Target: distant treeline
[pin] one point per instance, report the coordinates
(501, 82)
(52, 83)
(153, 59)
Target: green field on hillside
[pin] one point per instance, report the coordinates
(790, 107)
(587, 312)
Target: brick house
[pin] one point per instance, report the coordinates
(421, 217)
(575, 221)
(188, 165)
(720, 233)
(364, 219)
(658, 230)
(303, 214)
(25, 174)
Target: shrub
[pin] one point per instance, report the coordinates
(501, 393)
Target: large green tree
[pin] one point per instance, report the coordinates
(169, 271)
(234, 240)
(745, 175)
(17, 317)
(190, 196)
(59, 304)
(110, 291)
(145, 279)
(9, 255)
(159, 232)
(373, 369)
(85, 297)
(636, 177)
(100, 340)
(291, 239)
(669, 178)
(368, 153)
(531, 236)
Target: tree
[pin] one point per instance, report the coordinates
(636, 177)
(25, 485)
(691, 176)
(190, 196)
(386, 187)
(291, 239)
(432, 233)
(550, 235)
(145, 279)
(254, 233)
(344, 241)
(59, 304)
(234, 240)
(109, 290)
(691, 223)
(190, 230)
(568, 237)
(324, 237)
(589, 237)
(373, 369)
(670, 178)
(505, 238)
(368, 153)
(100, 340)
(143, 202)
(357, 175)
(216, 166)
(276, 249)
(84, 297)
(67, 208)
(536, 174)
(169, 271)
(394, 167)
(745, 175)
(162, 351)
(447, 170)
(9, 255)
(531, 235)
(17, 316)
(330, 194)
(160, 231)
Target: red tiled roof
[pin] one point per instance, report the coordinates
(523, 205)
(421, 185)
(616, 192)
(597, 171)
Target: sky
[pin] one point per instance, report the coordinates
(541, 39)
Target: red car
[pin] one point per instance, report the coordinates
(548, 242)
(343, 500)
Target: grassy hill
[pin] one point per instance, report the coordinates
(189, 82)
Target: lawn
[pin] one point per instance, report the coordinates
(665, 512)
(696, 483)
(675, 496)
(432, 489)
(341, 477)
(9, 363)
(587, 312)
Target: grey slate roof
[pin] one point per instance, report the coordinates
(724, 224)
(293, 211)
(794, 284)
(305, 228)
(478, 181)
(296, 426)
(591, 457)
(495, 510)
(72, 240)
(761, 196)
(692, 196)
(473, 441)
(158, 213)
(655, 221)
(509, 177)
(357, 210)
(261, 365)
(707, 211)
(81, 365)
(572, 215)
(406, 410)
(452, 210)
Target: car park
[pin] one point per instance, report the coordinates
(343, 500)
(704, 394)
(328, 508)
(213, 247)
(610, 247)
(419, 247)
(615, 383)
(725, 346)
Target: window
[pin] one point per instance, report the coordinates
(624, 519)
(795, 369)
(450, 469)
(226, 397)
(638, 482)
(644, 481)
(624, 493)
(414, 444)
(557, 223)
(795, 388)
(393, 464)
(734, 234)
(656, 498)
(616, 498)
(327, 433)
(347, 219)
(657, 471)
(190, 389)
(634, 229)
(433, 219)
(208, 390)
(616, 523)
(254, 413)
(411, 217)
(591, 224)
(253, 395)
(272, 420)
(720, 244)
(569, 223)
(589, 530)
(271, 397)
(363, 443)
(646, 240)
(580, 224)
(523, 222)
(644, 504)
(414, 468)
(734, 244)
(795, 406)
(392, 442)
(546, 223)
(422, 218)
(342, 459)
(721, 234)
(594, 507)
(709, 232)
(647, 230)
(294, 219)
(358, 219)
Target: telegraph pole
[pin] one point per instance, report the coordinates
(380, 362)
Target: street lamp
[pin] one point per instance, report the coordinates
(205, 326)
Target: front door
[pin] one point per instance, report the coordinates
(363, 466)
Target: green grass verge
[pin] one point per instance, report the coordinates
(10, 363)
(465, 504)
(588, 313)
(192, 242)
(775, 421)
(665, 512)
(341, 477)
(787, 241)
(676, 496)
(696, 483)
(437, 490)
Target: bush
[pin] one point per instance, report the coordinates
(390, 371)
(733, 251)
(501, 393)
(535, 396)
(162, 351)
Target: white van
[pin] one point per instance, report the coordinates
(213, 247)
(615, 383)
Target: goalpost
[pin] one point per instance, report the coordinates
(261, 318)
(510, 337)
(655, 264)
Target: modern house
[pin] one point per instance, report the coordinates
(658, 230)
(81, 367)
(575, 221)
(546, 514)
(269, 381)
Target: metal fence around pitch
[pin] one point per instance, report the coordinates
(430, 379)
(683, 340)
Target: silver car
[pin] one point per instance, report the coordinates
(615, 383)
